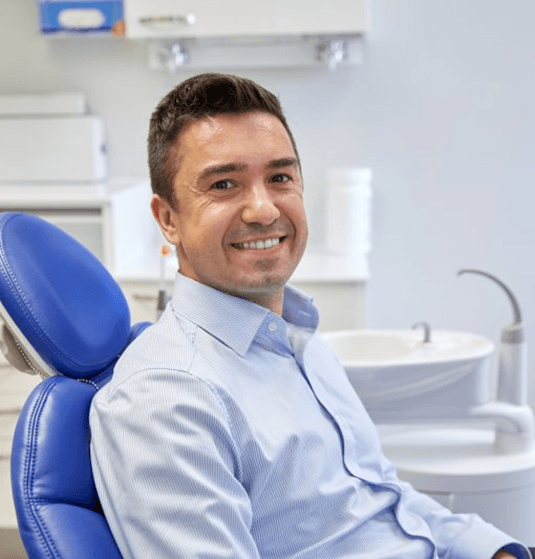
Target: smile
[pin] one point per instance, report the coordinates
(260, 245)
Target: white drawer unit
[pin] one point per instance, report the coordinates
(14, 389)
(243, 18)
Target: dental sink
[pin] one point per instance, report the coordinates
(387, 347)
(399, 376)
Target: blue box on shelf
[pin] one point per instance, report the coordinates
(81, 16)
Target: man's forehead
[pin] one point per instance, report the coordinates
(211, 125)
(233, 139)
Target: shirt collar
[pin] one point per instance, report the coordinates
(233, 320)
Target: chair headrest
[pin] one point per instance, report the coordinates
(57, 299)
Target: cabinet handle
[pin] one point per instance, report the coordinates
(145, 298)
(188, 19)
(10, 413)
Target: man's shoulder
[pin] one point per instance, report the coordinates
(165, 345)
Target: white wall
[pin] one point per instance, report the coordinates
(442, 110)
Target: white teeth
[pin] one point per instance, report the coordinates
(268, 243)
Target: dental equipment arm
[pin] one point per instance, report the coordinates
(512, 378)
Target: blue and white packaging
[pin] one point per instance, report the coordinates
(81, 16)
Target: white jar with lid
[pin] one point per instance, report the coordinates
(349, 204)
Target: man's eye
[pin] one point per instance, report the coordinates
(280, 178)
(221, 185)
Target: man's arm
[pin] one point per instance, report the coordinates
(463, 535)
(166, 469)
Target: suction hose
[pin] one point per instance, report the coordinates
(512, 377)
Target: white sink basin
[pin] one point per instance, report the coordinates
(390, 347)
(398, 375)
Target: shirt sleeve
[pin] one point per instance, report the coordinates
(459, 535)
(167, 469)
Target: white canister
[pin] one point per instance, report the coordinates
(349, 204)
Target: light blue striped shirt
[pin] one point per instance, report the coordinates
(228, 431)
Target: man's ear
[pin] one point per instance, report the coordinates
(166, 217)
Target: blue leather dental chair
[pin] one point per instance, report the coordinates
(65, 318)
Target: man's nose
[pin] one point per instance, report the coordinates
(259, 206)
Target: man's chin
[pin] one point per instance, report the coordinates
(269, 279)
(262, 291)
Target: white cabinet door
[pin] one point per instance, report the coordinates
(234, 18)
(14, 389)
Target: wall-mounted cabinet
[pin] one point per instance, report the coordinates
(204, 33)
(217, 34)
(150, 19)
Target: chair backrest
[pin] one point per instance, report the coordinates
(67, 319)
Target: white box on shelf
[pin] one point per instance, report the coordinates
(40, 104)
(61, 149)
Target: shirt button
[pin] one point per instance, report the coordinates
(272, 326)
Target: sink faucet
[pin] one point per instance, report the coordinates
(427, 331)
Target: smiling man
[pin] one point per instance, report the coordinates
(236, 212)
(229, 430)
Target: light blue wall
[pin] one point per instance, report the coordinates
(442, 110)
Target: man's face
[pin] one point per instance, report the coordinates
(238, 223)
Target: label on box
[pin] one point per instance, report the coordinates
(81, 16)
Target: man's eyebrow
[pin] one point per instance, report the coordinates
(212, 170)
(283, 162)
(222, 169)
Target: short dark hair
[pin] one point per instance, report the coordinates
(198, 97)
